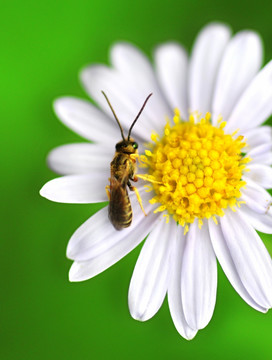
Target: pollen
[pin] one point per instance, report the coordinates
(195, 169)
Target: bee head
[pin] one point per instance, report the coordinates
(127, 146)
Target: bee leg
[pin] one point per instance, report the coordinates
(134, 156)
(133, 188)
(148, 178)
(108, 191)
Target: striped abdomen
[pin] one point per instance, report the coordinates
(120, 211)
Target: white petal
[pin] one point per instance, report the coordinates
(97, 234)
(86, 120)
(171, 63)
(258, 136)
(259, 150)
(261, 222)
(261, 154)
(126, 100)
(261, 174)
(80, 158)
(256, 197)
(241, 61)
(113, 251)
(250, 257)
(198, 277)
(224, 257)
(149, 281)
(255, 104)
(264, 159)
(77, 189)
(135, 67)
(133, 63)
(206, 56)
(174, 290)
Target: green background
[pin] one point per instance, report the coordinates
(43, 316)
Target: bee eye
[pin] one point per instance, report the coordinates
(135, 145)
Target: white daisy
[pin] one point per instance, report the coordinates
(209, 199)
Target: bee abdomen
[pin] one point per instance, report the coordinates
(120, 211)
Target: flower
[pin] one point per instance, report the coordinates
(208, 171)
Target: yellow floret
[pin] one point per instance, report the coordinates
(196, 169)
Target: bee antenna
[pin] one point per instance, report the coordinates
(116, 118)
(137, 117)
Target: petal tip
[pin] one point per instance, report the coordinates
(139, 316)
(137, 313)
(43, 191)
(215, 25)
(71, 252)
(119, 45)
(190, 336)
(46, 191)
(83, 73)
(59, 104)
(74, 273)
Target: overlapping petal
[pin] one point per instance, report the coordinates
(150, 277)
(261, 154)
(258, 136)
(260, 222)
(89, 241)
(224, 256)
(241, 61)
(206, 57)
(261, 174)
(256, 197)
(171, 64)
(174, 290)
(134, 66)
(255, 104)
(113, 251)
(250, 257)
(199, 277)
(77, 189)
(86, 120)
(126, 98)
(80, 158)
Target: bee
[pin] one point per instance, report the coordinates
(123, 171)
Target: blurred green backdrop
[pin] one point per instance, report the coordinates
(43, 315)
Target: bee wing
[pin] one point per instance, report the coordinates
(125, 176)
(117, 190)
(120, 212)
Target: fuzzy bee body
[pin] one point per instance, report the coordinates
(120, 211)
(123, 170)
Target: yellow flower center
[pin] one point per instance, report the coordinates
(195, 169)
